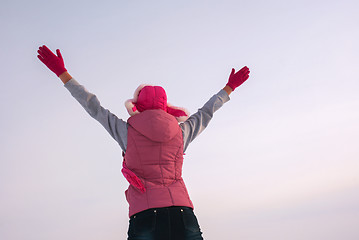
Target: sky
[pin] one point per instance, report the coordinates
(278, 161)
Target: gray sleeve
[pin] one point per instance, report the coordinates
(198, 121)
(115, 126)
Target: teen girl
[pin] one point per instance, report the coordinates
(153, 141)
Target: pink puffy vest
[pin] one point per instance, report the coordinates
(155, 154)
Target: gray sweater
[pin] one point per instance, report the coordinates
(117, 128)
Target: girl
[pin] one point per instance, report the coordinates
(153, 141)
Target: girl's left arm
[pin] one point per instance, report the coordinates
(115, 126)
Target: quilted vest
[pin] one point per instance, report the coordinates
(155, 154)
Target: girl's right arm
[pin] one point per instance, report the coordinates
(197, 122)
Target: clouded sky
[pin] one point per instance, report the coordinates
(278, 161)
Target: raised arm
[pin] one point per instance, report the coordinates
(115, 126)
(198, 121)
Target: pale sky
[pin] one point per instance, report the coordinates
(279, 160)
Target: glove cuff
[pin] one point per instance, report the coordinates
(229, 84)
(60, 71)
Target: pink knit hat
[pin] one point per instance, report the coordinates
(148, 97)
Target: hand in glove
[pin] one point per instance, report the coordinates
(236, 79)
(53, 62)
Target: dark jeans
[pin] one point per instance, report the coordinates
(169, 223)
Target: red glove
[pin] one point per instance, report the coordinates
(53, 62)
(236, 79)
